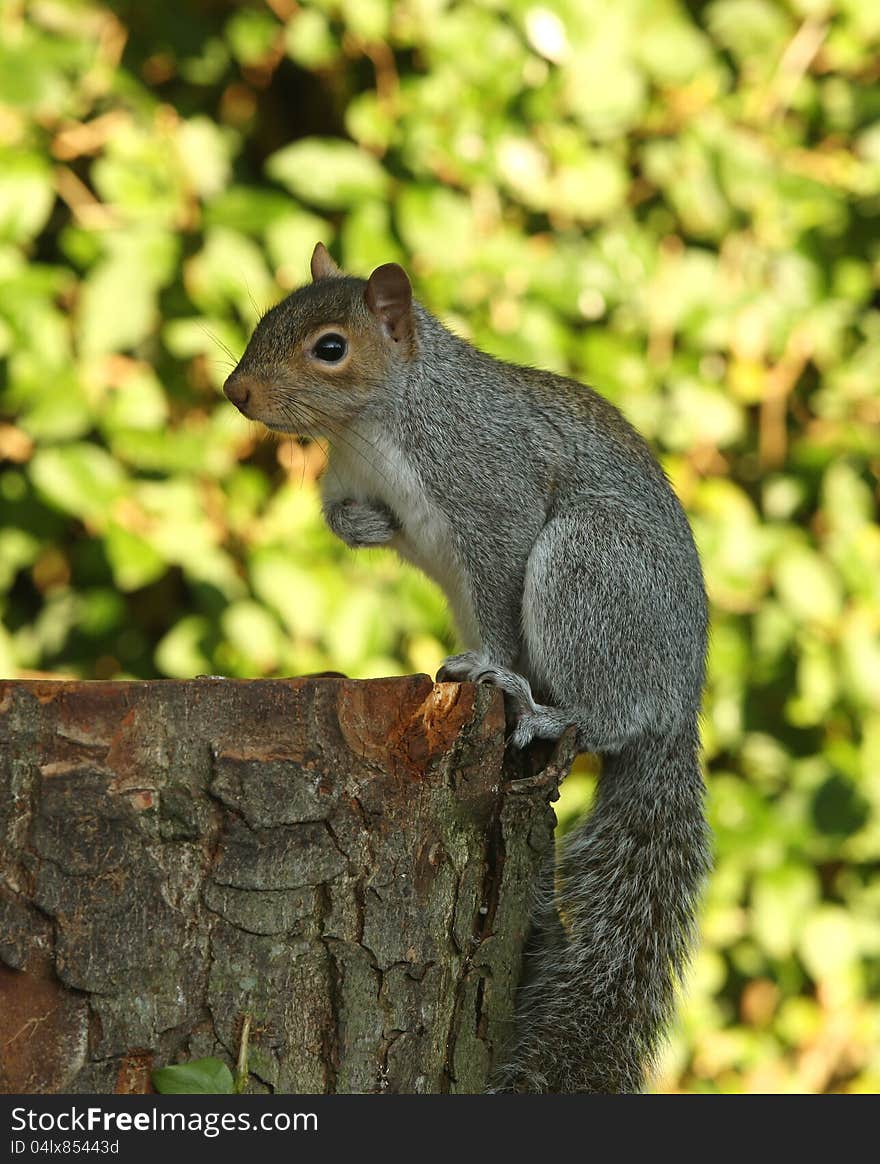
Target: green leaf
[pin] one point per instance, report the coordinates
(673, 50)
(685, 170)
(861, 655)
(701, 414)
(230, 270)
(290, 241)
(137, 403)
(176, 525)
(181, 653)
(54, 405)
(141, 177)
(369, 122)
(293, 591)
(134, 562)
(817, 684)
(118, 302)
(251, 34)
(754, 30)
(18, 549)
(807, 585)
(367, 19)
(29, 79)
(839, 808)
(254, 634)
(204, 150)
(604, 91)
(437, 226)
(328, 172)
(247, 209)
(198, 1077)
(81, 479)
(828, 942)
(117, 309)
(26, 195)
(101, 611)
(780, 901)
(368, 238)
(590, 188)
(308, 39)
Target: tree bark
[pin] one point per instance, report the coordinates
(343, 867)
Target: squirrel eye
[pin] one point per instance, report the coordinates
(330, 348)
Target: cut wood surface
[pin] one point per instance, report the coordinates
(348, 863)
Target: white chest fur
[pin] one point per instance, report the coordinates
(367, 465)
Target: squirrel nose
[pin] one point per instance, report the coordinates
(238, 390)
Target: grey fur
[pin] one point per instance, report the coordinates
(360, 525)
(573, 576)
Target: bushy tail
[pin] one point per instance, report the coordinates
(612, 937)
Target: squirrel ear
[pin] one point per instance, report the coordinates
(322, 265)
(388, 295)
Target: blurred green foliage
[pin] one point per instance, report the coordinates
(674, 201)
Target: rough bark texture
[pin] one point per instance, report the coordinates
(349, 863)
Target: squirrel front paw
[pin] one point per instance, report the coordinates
(361, 523)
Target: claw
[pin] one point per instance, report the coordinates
(457, 668)
(524, 732)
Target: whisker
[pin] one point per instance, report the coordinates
(302, 480)
(290, 413)
(220, 344)
(335, 432)
(259, 314)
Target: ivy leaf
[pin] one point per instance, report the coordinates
(199, 1077)
(26, 195)
(328, 172)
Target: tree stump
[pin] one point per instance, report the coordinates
(343, 866)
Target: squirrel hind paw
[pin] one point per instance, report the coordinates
(512, 684)
(541, 724)
(524, 732)
(476, 667)
(460, 668)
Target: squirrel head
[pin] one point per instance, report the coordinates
(325, 352)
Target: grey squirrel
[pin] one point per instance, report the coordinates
(576, 588)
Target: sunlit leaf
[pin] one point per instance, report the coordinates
(327, 172)
(80, 479)
(26, 195)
